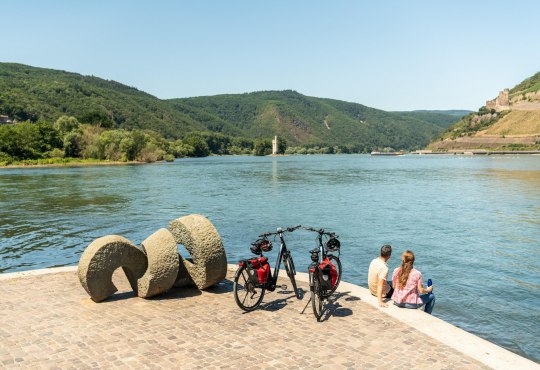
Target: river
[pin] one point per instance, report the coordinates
(473, 222)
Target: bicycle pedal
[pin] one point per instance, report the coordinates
(283, 286)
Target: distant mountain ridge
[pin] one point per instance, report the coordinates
(302, 119)
(31, 93)
(442, 118)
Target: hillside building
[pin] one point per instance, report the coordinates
(4, 120)
(501, 102)
(275, 146)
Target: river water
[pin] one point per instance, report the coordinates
(473, 222)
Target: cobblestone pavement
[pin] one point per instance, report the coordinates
(48, 321)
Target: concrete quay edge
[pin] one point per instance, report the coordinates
(487, 353)
(469, 344)
(45, 271)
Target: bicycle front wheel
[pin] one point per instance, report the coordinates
(289, 268)
(336, 262)
(316, 294)
(247, 296)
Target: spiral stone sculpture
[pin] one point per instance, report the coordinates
(102, 257)
(163, 262)
(157, 266)
(209, 263)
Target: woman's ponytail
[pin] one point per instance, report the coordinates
(407, 262)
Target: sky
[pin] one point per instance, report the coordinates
(391, 55)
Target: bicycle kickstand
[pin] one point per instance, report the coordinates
(309, 300)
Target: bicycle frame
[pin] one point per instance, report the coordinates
(322, 251)
(323, 254)
(271, 283)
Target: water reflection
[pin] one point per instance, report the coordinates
(530, 180)
(274, 173)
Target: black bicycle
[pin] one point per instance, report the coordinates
(324, 270)
(253, 277)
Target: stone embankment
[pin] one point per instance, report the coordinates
(49, 321)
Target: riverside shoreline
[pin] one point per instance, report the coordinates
(75, 164)
(417, 152)
(49, 321)
(478, 152)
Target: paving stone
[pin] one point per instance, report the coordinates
(205, 330)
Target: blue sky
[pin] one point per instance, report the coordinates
(392, 55)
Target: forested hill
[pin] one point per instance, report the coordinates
(442, 118)
(302, 119)
(30, 93)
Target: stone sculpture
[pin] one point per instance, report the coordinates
(208, 264)
(163, 261)
(102, 257)
(158, 266)
(183, 279)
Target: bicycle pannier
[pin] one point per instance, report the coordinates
(259, 270)
(329, 274)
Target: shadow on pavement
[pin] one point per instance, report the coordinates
(277, 304)
(119, 296)
(224, 286)
(333, 307)
(175, 293)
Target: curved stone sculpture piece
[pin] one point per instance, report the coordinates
(183, 279)
(163, 261)
(102, 257)
(201, 239)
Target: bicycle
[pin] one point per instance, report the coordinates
(253, 277)
(324, 271)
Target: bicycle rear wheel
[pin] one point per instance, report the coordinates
(247, 296)
(289, 268)
(336, 262)
(316, 294)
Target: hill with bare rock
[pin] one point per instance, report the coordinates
(510, 121)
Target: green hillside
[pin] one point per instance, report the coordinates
(442, 118)
(531, 84)
(30, 93)
(304, 120)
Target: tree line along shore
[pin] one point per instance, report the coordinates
(67, 141)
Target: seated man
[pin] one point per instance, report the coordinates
(378, 275)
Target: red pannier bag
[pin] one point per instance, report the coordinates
(329, 274)
(258, 270)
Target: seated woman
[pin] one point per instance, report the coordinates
(408, 289)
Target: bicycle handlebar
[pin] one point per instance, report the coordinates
(321, 232)
(280, 231)
(292, 228)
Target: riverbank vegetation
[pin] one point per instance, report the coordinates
(67, 140)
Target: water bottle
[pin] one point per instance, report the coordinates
(429, 283)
